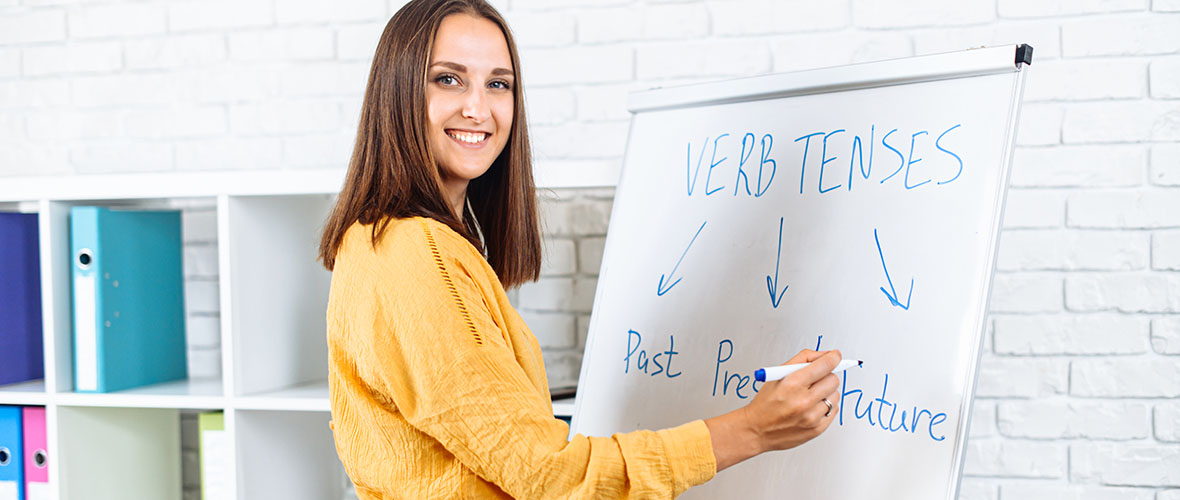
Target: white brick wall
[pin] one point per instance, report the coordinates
(1079, 389)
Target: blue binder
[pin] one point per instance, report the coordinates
(21, 355)
(12, 472)
(128, 297)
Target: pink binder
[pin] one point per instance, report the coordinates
(36, 457)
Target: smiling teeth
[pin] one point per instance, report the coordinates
(468, 137)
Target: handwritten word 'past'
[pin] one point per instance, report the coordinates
(642, 360)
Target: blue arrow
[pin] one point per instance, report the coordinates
(772, 286)
(661, 290)
(892, 296)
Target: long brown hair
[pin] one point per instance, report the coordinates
(393, 174)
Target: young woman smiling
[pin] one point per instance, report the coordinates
(438, 388)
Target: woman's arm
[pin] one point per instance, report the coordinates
(437, 356)
(433, 349)
(784, 414)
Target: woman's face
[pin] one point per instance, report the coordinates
(469, 96)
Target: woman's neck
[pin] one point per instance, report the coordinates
(455, 192)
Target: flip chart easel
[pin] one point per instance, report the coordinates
(856, 208)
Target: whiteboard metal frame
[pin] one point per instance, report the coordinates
(968, 404)
(974, 62)
(951, 65)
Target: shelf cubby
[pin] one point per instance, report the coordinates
(27, 392)
(286, 454)
(255, 302)
(275, 298)
(115, 453)
(255, 298)
(57, 264)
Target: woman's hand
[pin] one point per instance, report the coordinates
(784, 414)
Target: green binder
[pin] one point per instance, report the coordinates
(215, 456)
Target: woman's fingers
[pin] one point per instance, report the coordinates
(825, 387)
(814, 355)
(834, 399)
(823, 418)
(804, 356)
(822, 413)
(796, 409)
(818, 368)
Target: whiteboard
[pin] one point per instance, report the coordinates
(855, 208)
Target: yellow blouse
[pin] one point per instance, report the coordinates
(438, 388)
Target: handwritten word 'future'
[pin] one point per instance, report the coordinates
(915, 415)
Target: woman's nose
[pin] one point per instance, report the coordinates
(475, 106)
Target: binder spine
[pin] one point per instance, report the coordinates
(86, 269)
(12, 477)
(21, 349)
(36, 454)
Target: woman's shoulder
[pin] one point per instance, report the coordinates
(442, 236)
(405, 243)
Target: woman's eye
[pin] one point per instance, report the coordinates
(499, 84)
(447, 80)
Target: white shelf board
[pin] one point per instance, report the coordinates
(314, 397)
(24, 393)
(305, 397)
(204, 393)
(162, 185)
(172, 185)
(563, 407)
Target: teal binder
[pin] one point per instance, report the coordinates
(128, 298)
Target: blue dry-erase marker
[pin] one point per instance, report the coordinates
(778, 372)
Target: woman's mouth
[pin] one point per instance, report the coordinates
(467, 137)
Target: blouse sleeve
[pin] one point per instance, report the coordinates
(453, 375)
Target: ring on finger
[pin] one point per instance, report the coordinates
(829, 403)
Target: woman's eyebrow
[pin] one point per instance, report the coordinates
(463, 69)
(455, 66)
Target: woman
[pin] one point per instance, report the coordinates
(438, 388)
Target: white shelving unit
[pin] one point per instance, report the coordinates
(272, 387)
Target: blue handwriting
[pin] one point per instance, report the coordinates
(915, 169)
(660, 290)
(772, 286)
(727, 378)
(892, 292)
(642, 362)
(767, 166)
(915, 418)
